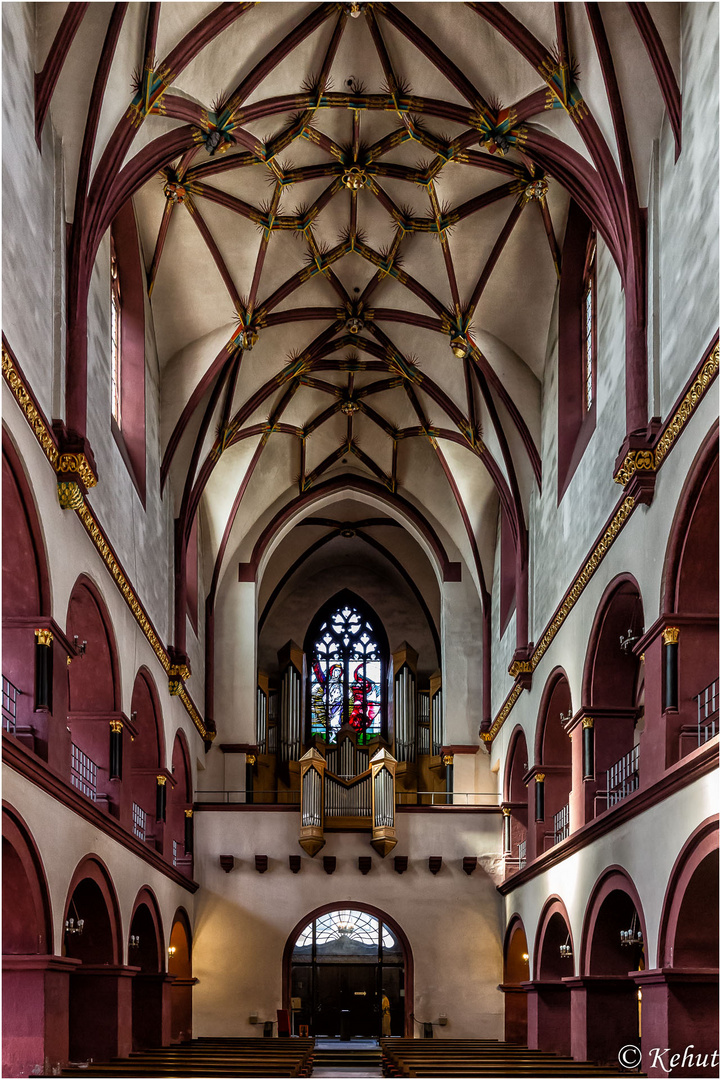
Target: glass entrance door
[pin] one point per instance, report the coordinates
(343, 964)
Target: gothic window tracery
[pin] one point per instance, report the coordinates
(347, 663)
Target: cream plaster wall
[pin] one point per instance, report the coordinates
(65, 839)
(633, 846)
(243, 919)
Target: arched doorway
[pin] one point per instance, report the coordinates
(549, 1008)
(145, 951)
(34, 981)
(613, 950)
(516, 972)
(100, 987)
(180, 964)
(340, 964)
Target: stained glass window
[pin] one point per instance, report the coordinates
(589, 324)
(346, 674)
(115, 345)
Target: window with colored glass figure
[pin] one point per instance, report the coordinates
(346, 675)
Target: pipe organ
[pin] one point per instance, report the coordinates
(423, 719)
(329, 801)
(405, 661)
(436, 695)
(292, 664)
(261, 713)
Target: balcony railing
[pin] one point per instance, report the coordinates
(622, 778)
(521, 854)
(140, 819)
(707, 705)
(10, 694)
(560, 825)
(83, 772)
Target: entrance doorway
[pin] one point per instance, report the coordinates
(348, 974)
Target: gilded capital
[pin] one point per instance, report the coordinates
(448, 759)
(188, 813)
(116, 726)
(670, 635)
(44, 637)
(587, 722)
(506, 811)
(250, 759)
(540, 777)
(162, 780)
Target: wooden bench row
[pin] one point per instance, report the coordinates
(224, 1057)
(479, 1058)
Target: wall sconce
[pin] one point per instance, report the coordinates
(79, 649)
(634, 936)
(171, 950)
(566, 719)
(628, 641)
(524, 956)
(566, 950)
(134, 941)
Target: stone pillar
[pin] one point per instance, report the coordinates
(101, 1012)
(35, 1013)
(604, 1017)
(151, 1009)
(549, 1016)
(679, 1010)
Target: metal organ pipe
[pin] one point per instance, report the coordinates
(290, 715)
(405, 714)
(437, 722)
(311, 798)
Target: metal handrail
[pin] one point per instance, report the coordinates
(707, 704)
(622, 779)
(403, 798)
(10, 694)
(561, 824)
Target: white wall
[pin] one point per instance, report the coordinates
(243, 919)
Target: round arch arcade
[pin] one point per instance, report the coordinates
(348, 972)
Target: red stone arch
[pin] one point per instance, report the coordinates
(608, 969)
(92, 868)
(144, 756)
(697, 854)
(27, 913)
(180, 965)
(612, 693)
(549, 1003)
(685, 997)
(552, 758)
(150, 986)
(99, 984)
(25, 598)
(516, 971)
(515, 795)
(690, 599)
(180, 799)
(383, 917)
(27, 949)
(93, 683)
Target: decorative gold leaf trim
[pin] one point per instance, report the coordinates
(39, 428)
(635, 461)
(76, 463)
(44, 637)
(700, 385)
(670, 635)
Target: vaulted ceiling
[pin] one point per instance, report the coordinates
(351, 218)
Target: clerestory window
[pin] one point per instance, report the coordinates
(589, 324)
(347, 660)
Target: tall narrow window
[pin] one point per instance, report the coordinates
(115, 344)
(347, 657)
(589, 323)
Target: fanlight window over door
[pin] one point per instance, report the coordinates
(347, 672)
